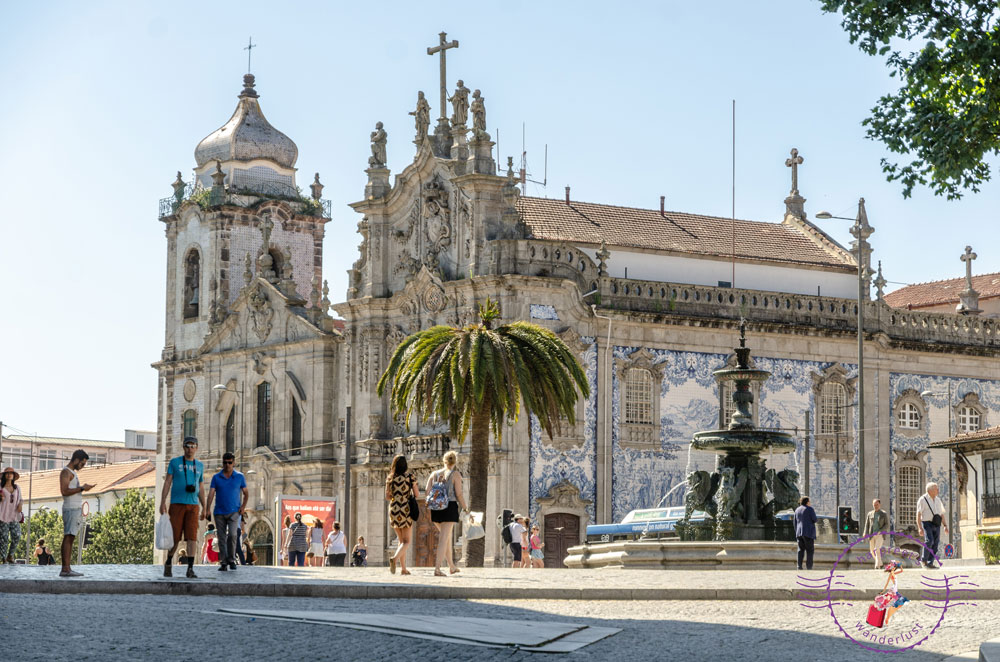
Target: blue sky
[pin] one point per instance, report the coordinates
(105, 101)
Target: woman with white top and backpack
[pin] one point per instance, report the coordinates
(444, 496)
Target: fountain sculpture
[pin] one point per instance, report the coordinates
(742, 496)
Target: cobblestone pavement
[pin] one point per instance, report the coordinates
(137, 627)
(488, 583)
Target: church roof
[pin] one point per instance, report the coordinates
(247, 135)
(631, 227)
(942, 291)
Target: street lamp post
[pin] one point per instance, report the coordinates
(861, 231)
(951, 460)
(223, 387)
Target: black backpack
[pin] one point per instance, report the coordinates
(506, 536)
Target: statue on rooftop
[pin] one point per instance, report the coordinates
(478, 109)
(378, 138)
(460, 103)
(421, 117)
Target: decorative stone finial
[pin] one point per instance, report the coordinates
(248, 269)
(248, 85)
(421, 118)
(218, 193)
(378, 138)
(795, 203)
(880, 284)
(314, 293)
(968, 298)
(325, 303)
(317, 188)
(179, 187)
(862, 250)
(602, 259)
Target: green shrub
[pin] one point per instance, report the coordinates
(991, 548)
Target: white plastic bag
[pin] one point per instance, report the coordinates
(474, 526)
(164, 533)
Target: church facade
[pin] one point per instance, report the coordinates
(649, 301)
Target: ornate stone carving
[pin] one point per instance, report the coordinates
(478, 109)
(421, 117)
(190, 390)
(378, 139)
(564, 497)
(261, 312)
(437, 221)
(395, 336)
(460, 105)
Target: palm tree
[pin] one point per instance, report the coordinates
(475, 378)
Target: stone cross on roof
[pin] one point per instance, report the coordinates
(249, 49)
(968, 256)
(442, 48)
(794, 163)
(968, 298)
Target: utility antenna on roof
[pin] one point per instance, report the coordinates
(524, 166)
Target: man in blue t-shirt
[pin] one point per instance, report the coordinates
(229, 489)
(183, 490)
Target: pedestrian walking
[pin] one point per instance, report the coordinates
(283, 550)
(315, 554)
(516, 531)
(183, 491)
(10, 515)
(805, 532)
(228, 489)
(401, 492)
(210, 550)
(298, 541)
(359, 555)
(930, 518)
(241, 534)
(876, 525)
(336, 547)
(525, 545)
(42, 554)
(72, 510)
(448, 478)
(537, 557)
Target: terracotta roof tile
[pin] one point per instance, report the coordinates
(45, 484)
(984, 434)
(942, 291)
(674, 231)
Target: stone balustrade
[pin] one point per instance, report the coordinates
(414, 447)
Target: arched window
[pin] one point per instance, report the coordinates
(296, 429)
(231, 431)
(264, 414)
(638, 396)
(908, 490)
(190, 423)
(908, 416)
(833, 410)
(968, 419)
(192, 283)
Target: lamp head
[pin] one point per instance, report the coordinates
(824, 215)
(219, 387)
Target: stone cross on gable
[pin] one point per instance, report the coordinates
(794, 163)
(968, 256)
(442, 48)
(265, 230)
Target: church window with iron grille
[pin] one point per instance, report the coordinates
(991, 477)
(908, 491)
(264, 414)
(968, 419)
(833, 409)
(908, 416)
(192, 282)
(638, 396)
(296, 429)
(231, 431)
(190, 423)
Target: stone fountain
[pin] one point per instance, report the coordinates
(742, 496)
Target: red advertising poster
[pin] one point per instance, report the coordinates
(311, 508)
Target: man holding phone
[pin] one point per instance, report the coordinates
(72, 490)
(184, 491)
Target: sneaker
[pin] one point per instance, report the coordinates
(232, 566)
(168, 570)
(223, 568)
(190, 574)
(70, 573)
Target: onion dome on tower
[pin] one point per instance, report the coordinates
(256, 157)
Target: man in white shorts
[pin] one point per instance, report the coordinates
(72, 511)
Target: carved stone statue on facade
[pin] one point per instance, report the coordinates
(378, 138)
(460, 103)
(478, 109)
(421, 117)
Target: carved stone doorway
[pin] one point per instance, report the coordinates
(424, 540)
(262, 541)
(562, 531)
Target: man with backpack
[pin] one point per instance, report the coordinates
(930, 518)
(512, 536)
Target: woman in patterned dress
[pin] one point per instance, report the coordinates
(399, 487)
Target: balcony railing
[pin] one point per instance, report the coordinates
(991, 505)
(204, 197)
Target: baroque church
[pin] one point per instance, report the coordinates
(257, 360)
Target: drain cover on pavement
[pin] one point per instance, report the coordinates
(540, 636)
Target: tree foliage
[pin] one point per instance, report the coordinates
(47, 524)
(946, 114)
(123, 534)
(475, 378)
